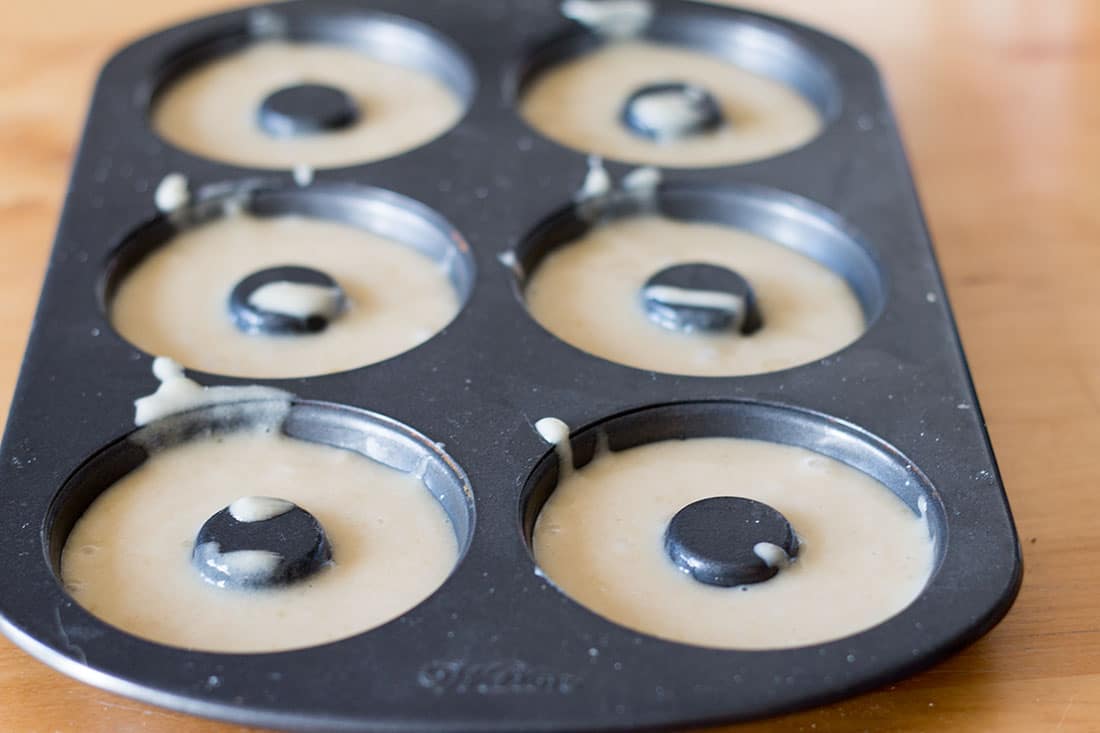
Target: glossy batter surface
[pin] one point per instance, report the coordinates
(212, 110)
(864, 554)
(174, 303)
(588, 293)
(128, 559)
(578, 103)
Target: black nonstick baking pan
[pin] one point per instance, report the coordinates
(498, 647)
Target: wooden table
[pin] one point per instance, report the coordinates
(999, 103)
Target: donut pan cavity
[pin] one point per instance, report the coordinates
(497, 647)
(372, 209)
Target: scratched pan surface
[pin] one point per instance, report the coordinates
(497, 647)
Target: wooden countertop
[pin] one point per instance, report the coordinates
(999, 103)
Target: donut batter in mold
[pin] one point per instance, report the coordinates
(128, 559)
(587, 293)
(578, 103)
(863, 554)
(213, 109)
(174, 303)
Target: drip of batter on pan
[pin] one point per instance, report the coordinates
(298, 299)
(556, 432)
(611, 18)
(177, 393)
(258, 508)
(597, 182)
(173, 193)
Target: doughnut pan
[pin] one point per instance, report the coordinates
(497, 647)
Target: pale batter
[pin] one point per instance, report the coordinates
(864, 555)
(578, 103)
(174, 303)
(128, 559)
(177, 394)
(212, 110)
(588, 293)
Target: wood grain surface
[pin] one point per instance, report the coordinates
(999, 103)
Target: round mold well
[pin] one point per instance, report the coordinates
(783, 218)
(373, 210)
(749, 42)
(777, 424)
(388, 38)
(374, 436)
